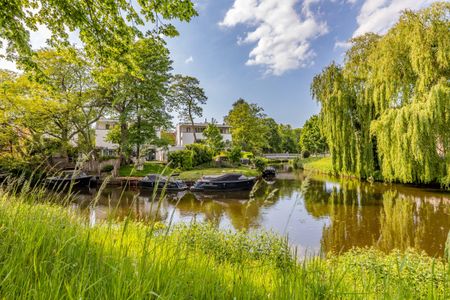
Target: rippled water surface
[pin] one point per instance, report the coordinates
(315, 212)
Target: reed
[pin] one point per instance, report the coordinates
(49, 252)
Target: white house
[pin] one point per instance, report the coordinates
(102, 127)
(185, 133)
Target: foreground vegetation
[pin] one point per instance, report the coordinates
(47, 251)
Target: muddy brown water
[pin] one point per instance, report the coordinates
(315, 212)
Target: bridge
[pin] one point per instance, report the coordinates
(282, 155)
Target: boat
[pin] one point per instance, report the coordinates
(269, 173)
(225, 182)
(69, 177)
(161, 182)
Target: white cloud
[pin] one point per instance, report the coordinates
(345, 45)
(379, 15)
(189, 60)
(283, 31)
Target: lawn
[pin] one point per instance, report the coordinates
(318, 164)
(149, 168)
(197, 174)
(48, 252)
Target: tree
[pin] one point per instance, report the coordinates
(311, 138)
(186, 97)
(137, 93)
(273, 137)
(385, 111)
(247, 126)
(61, 106)
(106, 28)
(214, 139)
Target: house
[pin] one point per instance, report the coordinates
(185, 133)
(102, 128)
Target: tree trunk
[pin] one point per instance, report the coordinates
(123, 141)
(192, 124)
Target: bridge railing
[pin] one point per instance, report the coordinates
(281, 155)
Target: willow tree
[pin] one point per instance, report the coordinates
(387, 109)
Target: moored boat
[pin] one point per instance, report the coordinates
(69, 178)
(269, 173)
(161, 182)
(225, 182)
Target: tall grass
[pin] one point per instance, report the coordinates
(49, 252)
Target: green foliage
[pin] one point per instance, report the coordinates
(213, 138)
(186, 97)
(387, 109)
(297, 163)
(234, 154)
(201, 154)
(106, 28)
(137, 93)
(260, 163)
(181, 159)
(311, 138)
(247, 126)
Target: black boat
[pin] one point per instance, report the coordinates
(269, 173)
(161, 182)
(226, 182)
(68, 178)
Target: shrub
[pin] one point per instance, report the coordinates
(234, 155)
(201, 154)
(107, 168)
(181, 159)
(260, 163)
(306, 154)
(297, 163)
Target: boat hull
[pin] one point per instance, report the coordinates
(66, 182)
(223, 186)
(161, 185)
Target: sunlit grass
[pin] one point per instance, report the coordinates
(48, 251)
(318, 164)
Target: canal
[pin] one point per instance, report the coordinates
(315, 212)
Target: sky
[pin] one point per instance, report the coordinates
(268, 51)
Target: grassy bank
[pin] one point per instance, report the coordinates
(149, 168)
(47, 252)
(158, 168)
(318, 164)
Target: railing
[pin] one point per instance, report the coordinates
(282, 155)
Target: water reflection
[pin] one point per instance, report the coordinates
(315, 212)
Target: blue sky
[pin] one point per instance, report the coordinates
(291, 40)
(267, 51)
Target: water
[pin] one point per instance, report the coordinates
(315, 212)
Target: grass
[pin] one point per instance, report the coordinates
(49, 252)
(318, 164)
(198, 173)
(149, 168)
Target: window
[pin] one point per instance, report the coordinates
(107, 126)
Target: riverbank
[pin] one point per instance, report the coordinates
(318, 164)
(47, 249)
